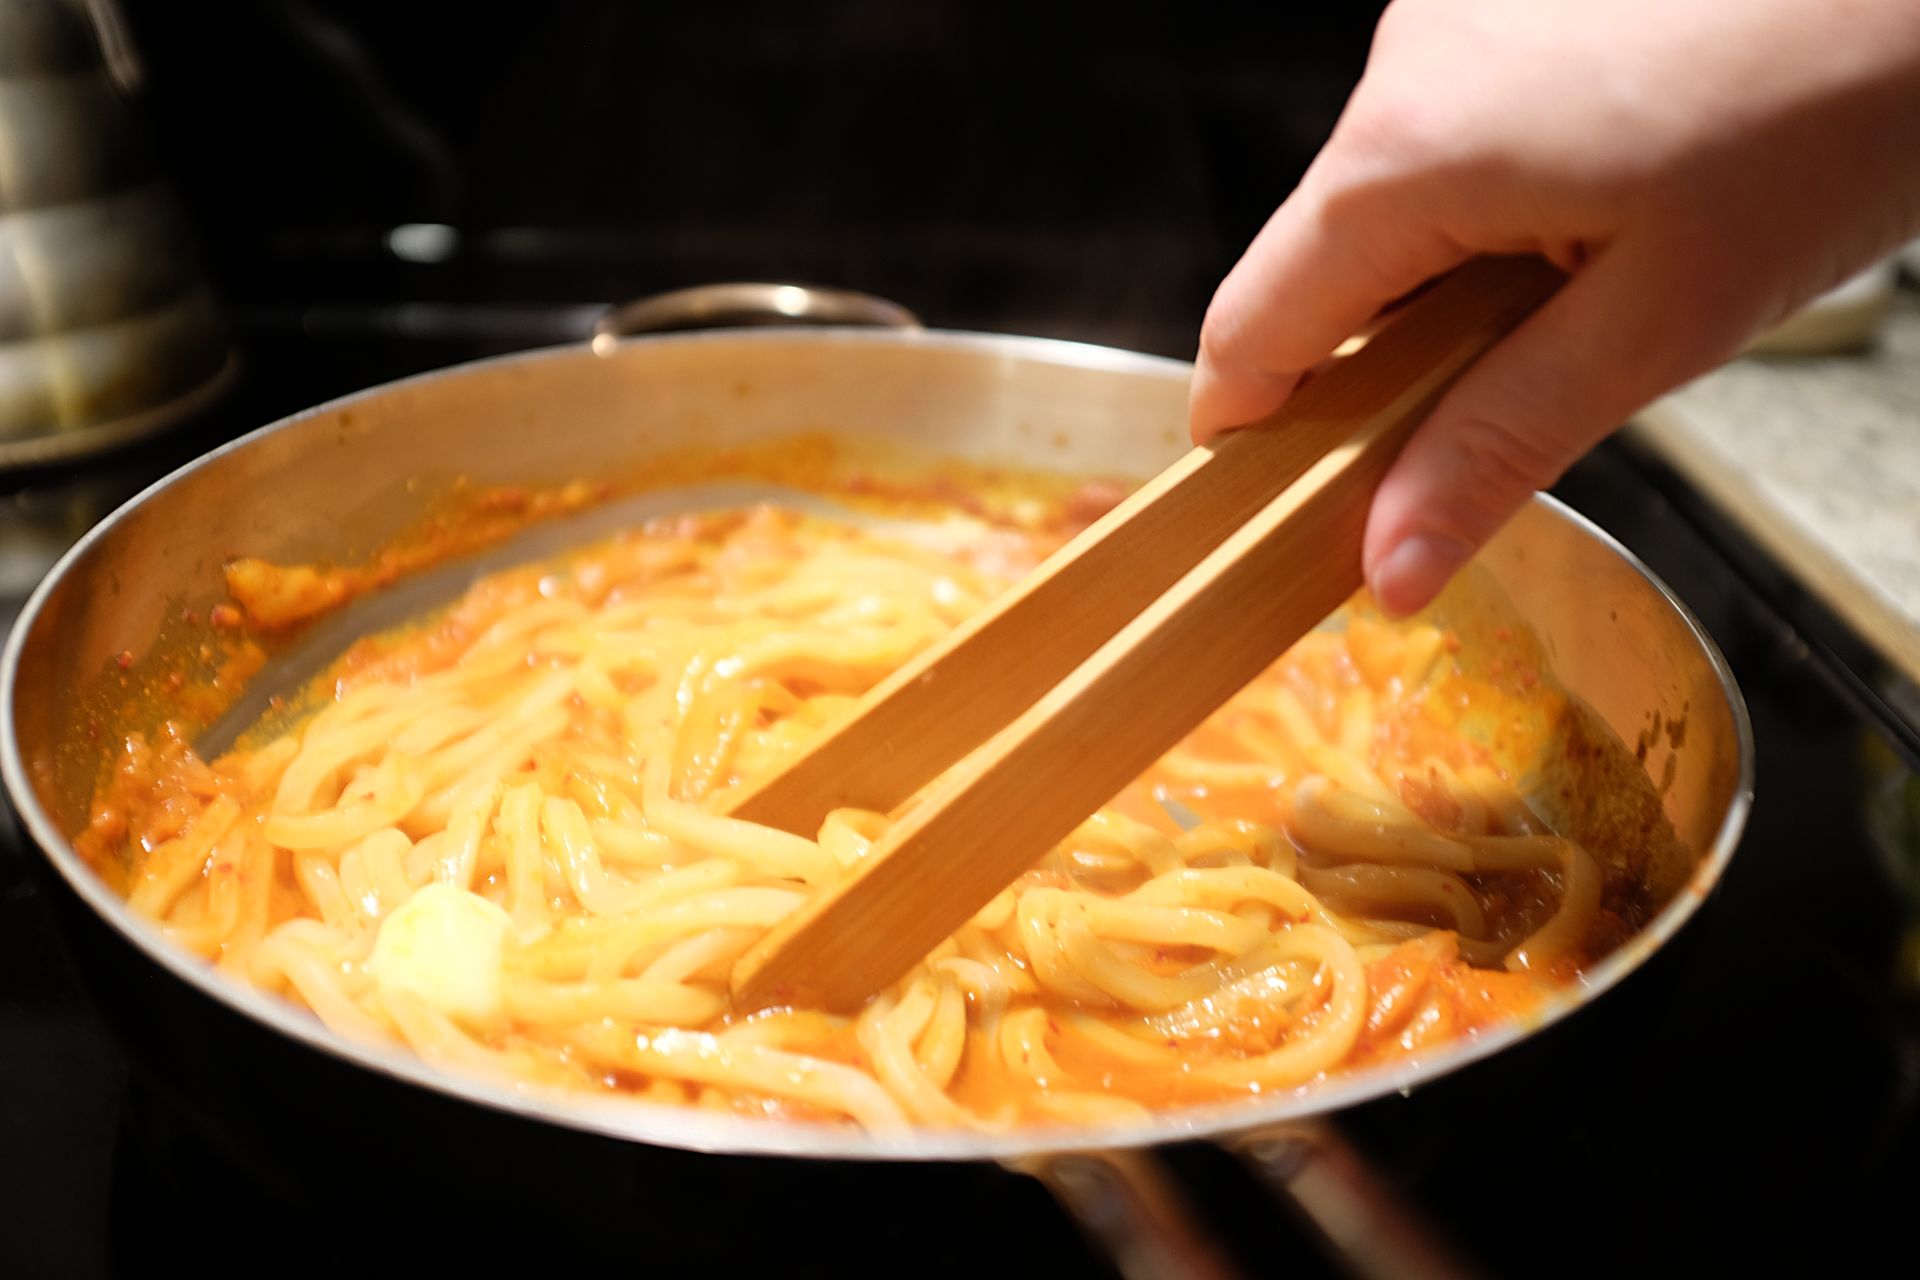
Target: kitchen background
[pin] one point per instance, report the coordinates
(377, 189)
(1077, 169)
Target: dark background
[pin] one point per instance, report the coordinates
(1072, 169)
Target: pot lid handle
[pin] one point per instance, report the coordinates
(722, 306)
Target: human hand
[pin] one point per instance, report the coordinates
(1702, 168)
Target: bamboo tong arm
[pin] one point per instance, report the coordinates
(1209, 572)
(917, 723)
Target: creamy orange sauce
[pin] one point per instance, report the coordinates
(1397, 705)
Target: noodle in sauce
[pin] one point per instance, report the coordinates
(497, 841)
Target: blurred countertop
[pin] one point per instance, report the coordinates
(1817, 458)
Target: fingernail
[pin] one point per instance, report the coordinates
(1408, 578)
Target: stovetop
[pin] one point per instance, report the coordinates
(1081, 171)
(1750, 1095)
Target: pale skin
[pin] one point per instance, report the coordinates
(1702, 168)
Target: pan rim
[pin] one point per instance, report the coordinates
(699, 1131)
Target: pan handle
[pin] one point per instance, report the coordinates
(723, 306)
(1310, 1165)
(1127, 1206)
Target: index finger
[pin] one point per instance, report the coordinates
(1317, 272)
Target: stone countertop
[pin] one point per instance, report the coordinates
(1818, 459)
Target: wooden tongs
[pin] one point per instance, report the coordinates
(1041, 708)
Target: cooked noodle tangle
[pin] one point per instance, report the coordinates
(500, 843)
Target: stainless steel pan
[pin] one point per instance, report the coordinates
(335, 482)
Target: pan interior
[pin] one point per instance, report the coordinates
(294, 665)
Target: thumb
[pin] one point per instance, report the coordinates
(1620, 333)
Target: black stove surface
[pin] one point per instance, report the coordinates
(1748, 1096)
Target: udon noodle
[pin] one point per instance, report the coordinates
(497, 840)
